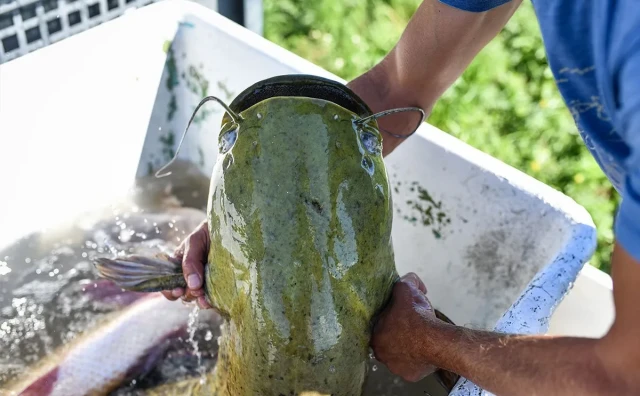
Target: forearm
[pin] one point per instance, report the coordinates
(527, 365)
(438, 44)
(546, 365)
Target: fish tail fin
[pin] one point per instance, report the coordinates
(141, 273)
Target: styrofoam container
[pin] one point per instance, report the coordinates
(81, 118)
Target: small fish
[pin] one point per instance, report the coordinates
(126, 344)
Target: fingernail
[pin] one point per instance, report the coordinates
(193, 281)
(411, 278)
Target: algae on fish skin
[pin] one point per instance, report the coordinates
(301, 256)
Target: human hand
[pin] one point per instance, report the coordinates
(400, 339)
(380, 93)
(192, 254)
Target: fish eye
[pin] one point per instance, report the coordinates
(228, 138)
(370, 142)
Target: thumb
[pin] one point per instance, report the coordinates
(414, 281)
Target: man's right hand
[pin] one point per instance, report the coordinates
(192, 254)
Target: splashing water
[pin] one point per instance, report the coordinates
(191, 330)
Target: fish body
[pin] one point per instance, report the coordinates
(301, 257)
(103, 357)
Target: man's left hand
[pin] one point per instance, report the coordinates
(398, 336)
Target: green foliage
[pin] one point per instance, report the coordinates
(505, 104)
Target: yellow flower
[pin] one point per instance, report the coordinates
(535, 166)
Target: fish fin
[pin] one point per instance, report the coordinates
(141, 274)
(106, 291)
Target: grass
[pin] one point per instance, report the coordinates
(505, 104)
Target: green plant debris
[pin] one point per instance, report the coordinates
(172, 70)
(201, 156)
(197, 83)
(173, 107)
(168, 141)
(199, 86)
(423, 209)
(166, 45)
(229, 95)
(172, 81)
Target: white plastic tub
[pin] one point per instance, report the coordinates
(80, 119)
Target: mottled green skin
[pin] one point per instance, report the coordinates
(301, 256)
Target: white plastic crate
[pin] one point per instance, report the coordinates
(28, 25)
(505, 261)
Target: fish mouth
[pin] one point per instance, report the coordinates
(301, 85)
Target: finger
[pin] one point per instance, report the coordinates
(192, 295)
(202, 303)
(414, 280)
(188, 297)
(414, 376)
(410, 372)
(167, 294)
(195, 252)
(173, 294)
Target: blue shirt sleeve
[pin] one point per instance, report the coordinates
(627, 227)
(474, 5)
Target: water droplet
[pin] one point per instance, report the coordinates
(371, 356)
(259, 116)
(27, 260)
(208, 336)
(374, 368)
(335, 117)
(191, 329)
(332, 369)
(4, 268)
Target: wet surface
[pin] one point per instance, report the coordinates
(50, 294)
